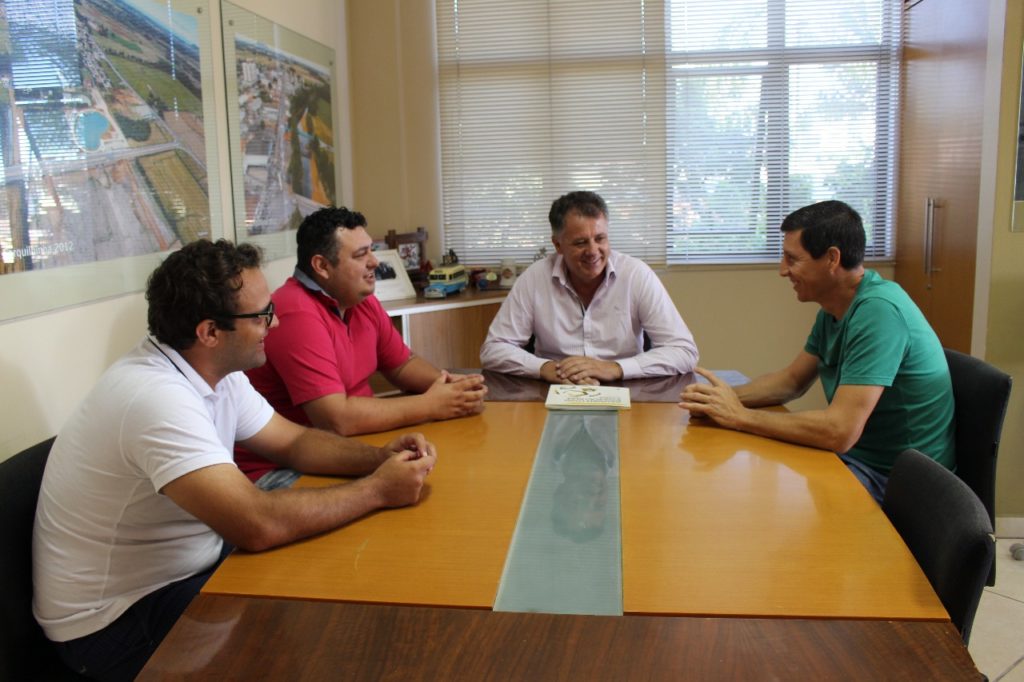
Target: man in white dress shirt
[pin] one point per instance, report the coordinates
(587, 308)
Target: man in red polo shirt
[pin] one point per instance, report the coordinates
(333, 335)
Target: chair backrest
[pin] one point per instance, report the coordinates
(25, 653)
(980, 393)
(946, 528)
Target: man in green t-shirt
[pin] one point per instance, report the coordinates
(882, 367)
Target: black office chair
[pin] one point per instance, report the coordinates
(981, 393)
(947, 529)
(25, 653)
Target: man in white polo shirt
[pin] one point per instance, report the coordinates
(141, 498)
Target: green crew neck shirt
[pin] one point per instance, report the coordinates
(883, 339)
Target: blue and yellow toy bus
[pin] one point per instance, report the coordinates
(447, 279)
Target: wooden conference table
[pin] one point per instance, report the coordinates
(780, 562)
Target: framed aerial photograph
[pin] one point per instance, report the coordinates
(392, 280)
(103, 145)
(281, 127)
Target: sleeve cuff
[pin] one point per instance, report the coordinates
(533, 366)
(630, 368)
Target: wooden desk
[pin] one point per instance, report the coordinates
(447, 332)
(716, 522)
(448, 550)
(713, 523)
(239, 638)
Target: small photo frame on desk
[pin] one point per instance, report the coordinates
(392, 280)
(411, 247)
(410, 255)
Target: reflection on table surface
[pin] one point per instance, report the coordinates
(566, 553)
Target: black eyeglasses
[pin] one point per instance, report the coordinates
(267, 314)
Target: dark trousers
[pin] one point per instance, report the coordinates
(120, 650)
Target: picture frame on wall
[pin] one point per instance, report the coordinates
(115, 165)
(282, 127)
(393, 281)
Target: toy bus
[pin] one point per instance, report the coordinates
(447, 279)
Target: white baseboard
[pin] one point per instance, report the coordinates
(1010, 526)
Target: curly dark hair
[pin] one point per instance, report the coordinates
(315, 236)
(198, 282)
(587, 204)
(827, 224)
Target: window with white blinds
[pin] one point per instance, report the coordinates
(701, 122)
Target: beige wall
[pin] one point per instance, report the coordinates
(1005, 332)
(396, 141)
(746, 319)
(50, 361)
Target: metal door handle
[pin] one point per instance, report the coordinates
(930, 205)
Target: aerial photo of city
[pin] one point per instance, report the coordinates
(101, 132)
(286, 136)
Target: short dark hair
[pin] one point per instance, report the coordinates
(315, 236)
(198, 282)
(827, 224)
(587, 204)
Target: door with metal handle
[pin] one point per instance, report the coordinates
(930, 205)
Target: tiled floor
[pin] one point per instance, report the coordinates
(997, 641)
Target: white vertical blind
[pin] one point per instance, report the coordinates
(701, 122)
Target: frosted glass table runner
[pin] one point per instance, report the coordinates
(566, 553)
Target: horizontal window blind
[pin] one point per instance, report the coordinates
(702, 123)
(538, 98)
(773, 105)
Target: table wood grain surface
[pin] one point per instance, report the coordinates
(714, 522)
(241, 638)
